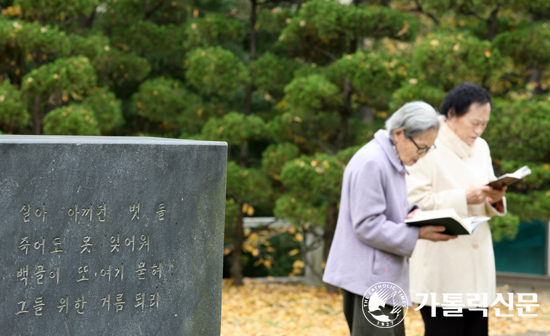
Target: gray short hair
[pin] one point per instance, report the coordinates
(414, 118)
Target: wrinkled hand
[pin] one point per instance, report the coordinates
(434, 234)
(495, 195)
(412, 213)
(478, 194)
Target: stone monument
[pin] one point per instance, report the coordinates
(111, 235)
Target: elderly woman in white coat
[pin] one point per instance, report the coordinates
(456, 176)
(372, 244)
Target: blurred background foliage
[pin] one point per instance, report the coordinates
(295, 88)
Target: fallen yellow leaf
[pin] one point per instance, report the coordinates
(294, 252)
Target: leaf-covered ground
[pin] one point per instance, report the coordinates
(266, 308)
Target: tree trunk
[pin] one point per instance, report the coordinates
(248, 99)
(534, 79)
(139, 124)
(536, 73)
(367, 114)
(88, 22)
(37, 115)
(540, 15)
(238, 232)
(18, 80)
(345, 114)
(243, 155)
(492, 25)
(330, 228)
(236, 256)
(252, 54)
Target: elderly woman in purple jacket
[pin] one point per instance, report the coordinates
(372, 244)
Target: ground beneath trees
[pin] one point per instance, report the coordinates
(265, 308)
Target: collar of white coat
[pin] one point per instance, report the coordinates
(450, 140)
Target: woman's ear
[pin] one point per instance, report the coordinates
(398, 134)
(451, 113)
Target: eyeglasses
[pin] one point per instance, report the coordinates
(421, 150)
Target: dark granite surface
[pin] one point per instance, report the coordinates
(140, 225)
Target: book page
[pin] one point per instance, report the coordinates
(473, 222)
(519, 174)
(421, 215)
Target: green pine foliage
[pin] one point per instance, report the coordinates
(71, 120)
(56, 10)
(528, 45)
(248, 185)
(271, 73)
(235, 128)
(446, 60)
(215, 71)
(416, 90)
(12, 110)
(276, 156)
(64, 77)
(312, 93)
(313, 183)
(324, 30)
(211, 30)
(374, 76)
(167, 101)
(107, 109)
(294, 87)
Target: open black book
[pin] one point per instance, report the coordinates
(508, 179)
(449, 219)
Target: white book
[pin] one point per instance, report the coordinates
(449, 219)
(508, 179)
